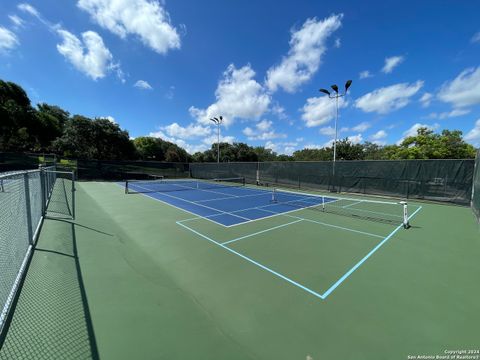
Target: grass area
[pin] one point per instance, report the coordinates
(125, 281)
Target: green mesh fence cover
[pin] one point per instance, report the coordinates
(124, 170)
(438, 180)
(476, 188)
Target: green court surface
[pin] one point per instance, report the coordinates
(130, 279)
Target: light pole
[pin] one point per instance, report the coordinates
(218, 121)
(336, 96)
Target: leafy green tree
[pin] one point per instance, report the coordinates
(94, 139)
(427, 144)
(17, 119)
(50, 123)
(264, 154)
(149, 148)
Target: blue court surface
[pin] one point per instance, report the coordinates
(226, 205)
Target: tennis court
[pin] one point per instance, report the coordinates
(219, 269)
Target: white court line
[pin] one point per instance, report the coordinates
(355, 203)
(357, 265)
(293, 282)
(237, 196)
(331, 225)
(194, 203)
(261, 232)
(255, 208)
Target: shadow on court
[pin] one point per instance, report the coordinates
(51, 317)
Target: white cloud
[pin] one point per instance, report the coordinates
(388, 99)
(475, 38)
(146, 19)
(88, 55)
(282, 147)
(190, 131)
(144, 85)
(378, 137)
(307, 45)
(473, 136)
(16, 20)
(279, 111)
(238, 95)
(205, 143)
(391, 63)
(8, 40)
(464, 90)
(412, 131)
(320, 110)
(109, 118)
(328, 131)
(361, 127)
(263, 131)
(170, 93)
(448, 114)
(355, 139)
(338, 43)
(364, 74)
(426, 99)
(29, 9)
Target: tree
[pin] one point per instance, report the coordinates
(149, 148)
(264, 154)
(50, 123)
(428, 145)
(17, 119)
(94, 139)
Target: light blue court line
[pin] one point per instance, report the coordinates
(261, 232)
(357, 265)
(326, 224)
(310, 291)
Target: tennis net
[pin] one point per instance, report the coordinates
(394, 213)
(168, 185)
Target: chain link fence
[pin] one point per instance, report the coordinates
(26, 197)
(436, 180)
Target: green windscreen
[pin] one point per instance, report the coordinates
(437, 180)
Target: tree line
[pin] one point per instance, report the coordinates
(49, 128)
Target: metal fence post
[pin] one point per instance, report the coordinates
(28, 206)
(73, 195)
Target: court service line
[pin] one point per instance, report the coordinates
(355, 203)
(293, 282)
(197, 216)
(331, 225)
(253, 208)
(194, 203)
(357, 265)
(261, 232)
(237, 196)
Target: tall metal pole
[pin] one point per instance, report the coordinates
(335, 96)
(336, 136)
(218, 121)
(218, 142)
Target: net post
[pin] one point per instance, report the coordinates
(126, 186)
(406, 224)
(274, 196)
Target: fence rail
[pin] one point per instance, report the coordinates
(26, 197)
(436, 180)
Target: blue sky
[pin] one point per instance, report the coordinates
(163, 68)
